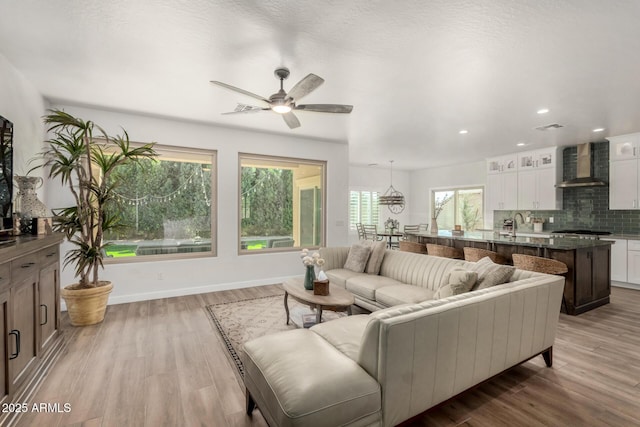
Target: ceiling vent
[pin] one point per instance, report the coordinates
(551, 126)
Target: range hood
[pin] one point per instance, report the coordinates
(583, 178)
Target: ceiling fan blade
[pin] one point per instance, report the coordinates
(305, 87)
(325, 108)
(244, 109)
(291, 120)
(242, 91)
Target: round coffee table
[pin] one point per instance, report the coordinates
(338, 299)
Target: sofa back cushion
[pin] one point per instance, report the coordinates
(425, 271)
(423, 354)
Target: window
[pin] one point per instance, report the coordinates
(363, 208)
(458, 206)
(281, 203)
(167, 206)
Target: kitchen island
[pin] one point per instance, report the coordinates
(588, 281)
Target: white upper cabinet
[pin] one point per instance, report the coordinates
(538, 159)
(624, 147)
(529, 185)
(624, 186)
(502, 164)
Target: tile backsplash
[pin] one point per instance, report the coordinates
(586, 207)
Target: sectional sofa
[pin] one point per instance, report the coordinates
(386, 367)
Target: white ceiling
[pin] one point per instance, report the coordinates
(416, 71)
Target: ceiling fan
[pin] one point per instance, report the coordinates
(284, 103)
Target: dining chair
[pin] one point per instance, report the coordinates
(371, 232)
(360, 230)
(410, 229)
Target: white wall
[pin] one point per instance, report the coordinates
(426, 180)
(377, 178)
(23, 105)
(155, 279)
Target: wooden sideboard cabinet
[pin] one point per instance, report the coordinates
(31, 340)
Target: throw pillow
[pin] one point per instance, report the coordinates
(491, 274)
(357, 258)
(459, 282)
(378, 250)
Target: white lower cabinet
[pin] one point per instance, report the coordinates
(619, 260)
(633, 262)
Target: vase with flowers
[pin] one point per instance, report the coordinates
(310, 262)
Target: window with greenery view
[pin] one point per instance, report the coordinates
(458, 206)
(363, 208)
(166, 205)
(282, 203)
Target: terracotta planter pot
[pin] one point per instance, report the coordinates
(86, 306)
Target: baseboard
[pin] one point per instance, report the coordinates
(625, 285)
(178, 292)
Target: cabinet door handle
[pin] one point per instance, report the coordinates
(50, 255)
(46, 314)
(15, 333)
(27, 265)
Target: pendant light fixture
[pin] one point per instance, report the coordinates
(392, 198)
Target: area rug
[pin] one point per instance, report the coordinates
(241, 321)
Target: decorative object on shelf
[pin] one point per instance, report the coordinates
(392, 225)
(27, 203)
(392, 198)
(311, 262)
(434, 225)
(82, 156)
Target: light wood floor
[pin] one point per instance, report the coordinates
(160, 363)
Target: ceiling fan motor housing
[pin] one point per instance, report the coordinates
(281, 73)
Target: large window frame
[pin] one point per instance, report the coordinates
(189, 155)
(365, 214)
(454, 204)
(299, 185)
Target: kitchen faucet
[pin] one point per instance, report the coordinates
(515, 218)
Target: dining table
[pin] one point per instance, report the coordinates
(390, 237)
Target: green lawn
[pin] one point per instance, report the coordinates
(118, 251)
(257, 244)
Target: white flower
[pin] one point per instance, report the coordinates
(315, 255)
(320, 262)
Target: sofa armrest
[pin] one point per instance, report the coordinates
(334, 257)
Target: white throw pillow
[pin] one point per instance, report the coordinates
(378, 250)
(460, 281)
(357, 258)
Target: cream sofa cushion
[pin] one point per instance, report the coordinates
(402, 294)
(491, 274)
(344, 333)
(293, 375)
(339, 276)
(366, 285)
(358, 257)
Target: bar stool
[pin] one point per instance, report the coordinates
(541, 265)
(444, 251)
(415, 247)
(476, 254)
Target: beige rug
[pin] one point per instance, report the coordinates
(241, 321)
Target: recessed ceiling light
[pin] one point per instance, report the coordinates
(521, 144)
(463, 131)
(543, 111)
(598, 129)
(372, 164)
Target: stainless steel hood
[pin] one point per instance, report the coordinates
(583, 178)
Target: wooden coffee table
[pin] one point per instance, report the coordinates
(338, 299)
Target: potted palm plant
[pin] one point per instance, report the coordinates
(83, 157)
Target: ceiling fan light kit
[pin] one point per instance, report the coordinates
(283, 103)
